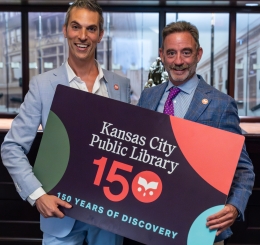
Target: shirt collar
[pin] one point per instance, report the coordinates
(187, 87)
(72, 75)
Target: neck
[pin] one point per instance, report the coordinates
(81, 68)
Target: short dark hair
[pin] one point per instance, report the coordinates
(91, 5)
(181, 26)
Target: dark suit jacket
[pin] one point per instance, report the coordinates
(220, 112)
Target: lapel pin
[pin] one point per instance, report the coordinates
(116, 87)
(205, 101)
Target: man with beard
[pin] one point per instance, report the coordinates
(187, 95)
(83, 29)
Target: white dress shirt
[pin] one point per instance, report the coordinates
(99, 86)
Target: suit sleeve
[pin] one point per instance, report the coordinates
(243, 180)
(18, 141)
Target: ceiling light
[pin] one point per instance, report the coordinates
(251, 4)
(70, 3)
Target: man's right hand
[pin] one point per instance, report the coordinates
(48, 205)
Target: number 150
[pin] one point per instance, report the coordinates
(111, 177)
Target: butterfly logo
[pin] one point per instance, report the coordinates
(151, 185)
(147, 186)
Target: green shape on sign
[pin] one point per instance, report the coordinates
(53, 156)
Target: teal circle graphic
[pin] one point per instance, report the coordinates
(199, 233)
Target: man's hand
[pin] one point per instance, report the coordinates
(47, 205)
(223, 219)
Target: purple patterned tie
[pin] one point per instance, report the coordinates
(168, 106)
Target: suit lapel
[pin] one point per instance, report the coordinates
(113, 87)
(200, 101)
(156, 94)
(60, 76)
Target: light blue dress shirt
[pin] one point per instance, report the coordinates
(182, 101)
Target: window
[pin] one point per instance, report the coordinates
(10, 62)
(130, 46)
(47, 43)
(247, 88)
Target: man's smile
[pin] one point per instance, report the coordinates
(82, 46)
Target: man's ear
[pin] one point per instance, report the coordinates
(199, 54)
(64, 30)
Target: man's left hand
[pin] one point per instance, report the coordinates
(223, 219)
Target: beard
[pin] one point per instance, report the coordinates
(189, 71)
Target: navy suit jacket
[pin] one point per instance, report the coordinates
(34, 112)
(220, 112)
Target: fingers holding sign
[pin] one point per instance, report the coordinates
(223, 219)
(48, 205)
